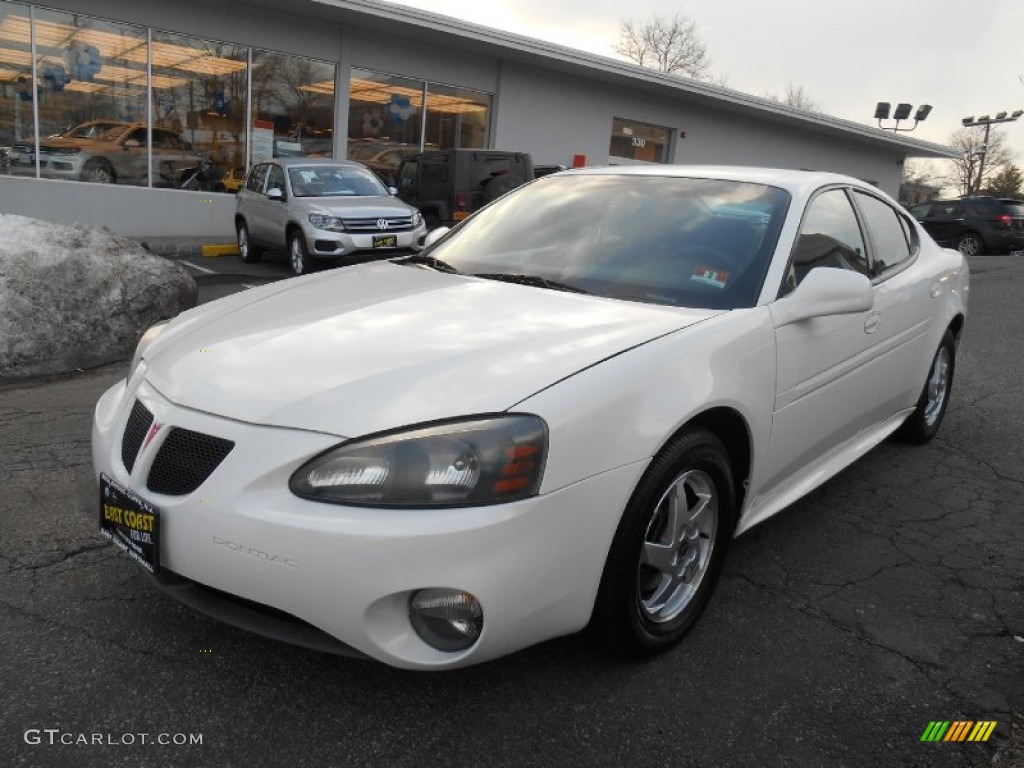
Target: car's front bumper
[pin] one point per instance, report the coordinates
(325, 244)
(534, 565)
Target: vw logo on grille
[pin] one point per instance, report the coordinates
(382, 224)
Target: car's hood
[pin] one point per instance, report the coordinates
(377, 346)
(355, 207)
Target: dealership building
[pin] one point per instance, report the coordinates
(135, 115)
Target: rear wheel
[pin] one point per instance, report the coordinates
(970, 244)
(249, 253)
(923, 424)
(500, 185)
(668, 550)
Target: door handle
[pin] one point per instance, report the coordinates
(872, 322)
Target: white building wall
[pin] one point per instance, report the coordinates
(556, 116)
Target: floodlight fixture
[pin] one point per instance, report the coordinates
(902, 113)
(987, 122)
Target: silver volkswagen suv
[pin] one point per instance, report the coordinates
(321, 211)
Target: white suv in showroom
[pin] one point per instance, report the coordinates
(322, 211)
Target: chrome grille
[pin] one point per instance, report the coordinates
(185, 460)
(393, 224)
(139, 422)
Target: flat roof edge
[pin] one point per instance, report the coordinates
(607, 65)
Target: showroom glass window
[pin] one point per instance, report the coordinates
(385, 119)
(456, 118)
(292, 106)
(89, 91)
(199, 97)
(638, 142)
(387, 122)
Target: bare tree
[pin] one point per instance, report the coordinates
(796, 96)
(977, 163)
(921, 181)
(670, 44)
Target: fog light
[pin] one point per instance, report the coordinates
(446, 619)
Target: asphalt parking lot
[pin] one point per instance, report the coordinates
(887, 599)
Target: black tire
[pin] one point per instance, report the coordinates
(971, 244)
(497, 186)
(432, 220)
(299, 260)
(248, 252)
(923, 424)
(99, 171)
(627, 614)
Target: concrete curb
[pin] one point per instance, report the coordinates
(186, 247)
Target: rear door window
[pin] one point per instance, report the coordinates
(888, 235)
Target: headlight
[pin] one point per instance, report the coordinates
(140, 349)
(484, 460)
(417, 219)
(331, 223)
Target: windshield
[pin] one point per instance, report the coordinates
(335, 181)
(685, 242)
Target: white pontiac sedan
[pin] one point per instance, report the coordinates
(556, 415)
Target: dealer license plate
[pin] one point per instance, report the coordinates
(385, 241)
(131, 522)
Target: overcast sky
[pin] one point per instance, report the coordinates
(961, 57)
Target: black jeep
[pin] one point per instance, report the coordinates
(449, 184)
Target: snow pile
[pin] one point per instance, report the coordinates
(76, 297)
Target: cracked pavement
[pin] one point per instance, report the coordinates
(888, 598)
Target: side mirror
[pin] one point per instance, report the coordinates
(434, 235)
(276, 194)
(131, 144)
(825, 291)
(393, 191)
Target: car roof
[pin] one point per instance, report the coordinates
(293, 162)
(791, 180)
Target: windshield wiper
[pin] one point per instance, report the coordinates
(427, 261)
(534, 280)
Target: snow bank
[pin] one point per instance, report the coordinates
(76, 297)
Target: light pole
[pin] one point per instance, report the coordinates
(902, 113)
(988, 122)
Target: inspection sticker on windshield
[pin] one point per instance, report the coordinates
(715, 277)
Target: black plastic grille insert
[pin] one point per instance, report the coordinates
(185, 460)
(139, 422)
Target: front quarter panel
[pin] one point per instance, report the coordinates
(625, 409)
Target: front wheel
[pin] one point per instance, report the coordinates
(923, 424)
(298, 256)
(248, 252)
(669, 548)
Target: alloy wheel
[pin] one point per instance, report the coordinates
(677, 546)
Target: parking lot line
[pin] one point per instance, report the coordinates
(201, 269)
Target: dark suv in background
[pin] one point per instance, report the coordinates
(974, 225)
(449, 184)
